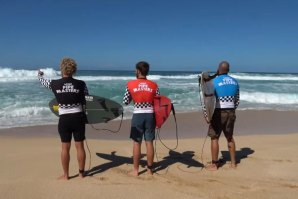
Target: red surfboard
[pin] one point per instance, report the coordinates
(162, 109)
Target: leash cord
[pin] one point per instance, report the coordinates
(202, 150)
(89, 154)
(159, 138)
(108, 130)
(176, 128)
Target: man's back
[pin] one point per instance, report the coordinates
(226, 91)
(142, 92)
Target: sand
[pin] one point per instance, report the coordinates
(266, 150)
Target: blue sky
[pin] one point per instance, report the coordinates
(170, 34)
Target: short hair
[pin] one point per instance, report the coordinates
(224, 67)
(143, 67)
(68, 66)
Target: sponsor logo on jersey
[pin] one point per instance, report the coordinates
(68, 88)
(143, 87)
(227, 81)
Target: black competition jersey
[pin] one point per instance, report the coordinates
(69, 92)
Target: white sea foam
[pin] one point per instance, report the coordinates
(265, 77)
(26, 116)
(105, 78)
(269, 98)
(16, 75)
(125, 78)
(19, 107)
(158, 77)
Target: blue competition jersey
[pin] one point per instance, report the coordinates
(226, 91)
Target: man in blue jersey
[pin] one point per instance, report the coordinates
(226, 90)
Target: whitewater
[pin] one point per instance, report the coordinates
(24, 102)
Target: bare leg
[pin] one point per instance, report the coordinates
(150, 156)
(65, 158)
(214, 150)
(81, 156)
(232, 149)
(214, 153)
(136, 157)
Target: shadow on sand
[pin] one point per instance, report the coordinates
(241, 154)
(173, 157)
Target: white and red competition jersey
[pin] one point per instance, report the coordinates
(142, 92)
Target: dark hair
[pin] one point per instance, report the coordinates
(223, 67)
(224, 63)
(143, 67)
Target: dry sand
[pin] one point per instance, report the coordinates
(30, 163)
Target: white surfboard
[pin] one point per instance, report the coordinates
(207, 96)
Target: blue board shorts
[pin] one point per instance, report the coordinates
(142, 125)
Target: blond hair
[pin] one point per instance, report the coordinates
(68, 66)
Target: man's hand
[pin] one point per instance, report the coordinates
(40, 73)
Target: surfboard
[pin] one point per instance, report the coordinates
(162, 109)
(98, 109)
(207, 96)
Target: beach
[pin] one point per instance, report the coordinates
(266, 143)
(103, 62)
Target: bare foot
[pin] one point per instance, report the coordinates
(63, 177)
(149, 171)
(211, 167)
(233, 166)
(134, 173)
(81, 175)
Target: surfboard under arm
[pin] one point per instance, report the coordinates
(207, 96)
(98, 109)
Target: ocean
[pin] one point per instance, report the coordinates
(24, 102)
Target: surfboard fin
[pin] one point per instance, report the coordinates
(102, 102)
(115, 111)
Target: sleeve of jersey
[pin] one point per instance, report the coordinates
(157, 92)
(237, 101)
(127, 97)
(45, 82)
(86, 90)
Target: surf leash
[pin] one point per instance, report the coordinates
(167, 147)
(89, 154)
(203, 109)
(108, 130)
(202, 150)
(157, 160)
(176, 134)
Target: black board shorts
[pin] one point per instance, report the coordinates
(72, 124)
(223, 120)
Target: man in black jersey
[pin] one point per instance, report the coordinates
(70, 95)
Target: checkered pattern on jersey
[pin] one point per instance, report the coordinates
(127, 97)
(205, 112)
(69, 106)
(226, 99)
(143, 105)
(157, 91)
(45, 82)
(237, 99)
